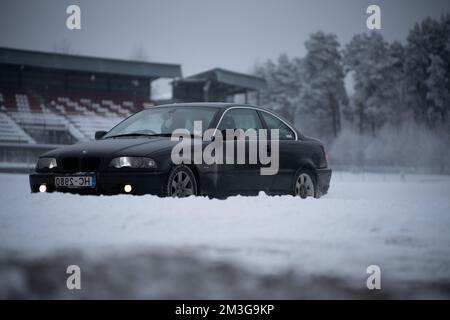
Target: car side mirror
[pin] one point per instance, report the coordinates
(100, 134)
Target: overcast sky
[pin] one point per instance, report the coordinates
(201, 34)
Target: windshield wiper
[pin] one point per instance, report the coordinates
(137, 134)
(160, 135)
(192, 135)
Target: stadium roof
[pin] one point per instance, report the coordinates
(228, 77)
(65, 62)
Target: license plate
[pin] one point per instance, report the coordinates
(75, 182)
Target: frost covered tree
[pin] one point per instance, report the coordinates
(377, 70)
(308, 91)
(438, 95)
(427, 66)
(323, 93)
(283, 79)
(393, 83)
(395, 86)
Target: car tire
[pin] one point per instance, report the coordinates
(305, 184)
(181, 182)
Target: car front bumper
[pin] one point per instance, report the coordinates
(323, 181)
(106, 182)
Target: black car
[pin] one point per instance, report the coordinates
(136, 157)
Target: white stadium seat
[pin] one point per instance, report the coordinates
(12, 133)
(79, 116)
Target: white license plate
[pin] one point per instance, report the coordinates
(75, 182)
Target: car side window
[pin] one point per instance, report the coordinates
(285, 133)
(240, 119)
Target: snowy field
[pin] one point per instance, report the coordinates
(242, 247)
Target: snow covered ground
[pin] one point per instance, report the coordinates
(242, 247)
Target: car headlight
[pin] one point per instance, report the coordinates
(132, 162)
(46, 163)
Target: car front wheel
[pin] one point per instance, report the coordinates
(304, 185)
(181, 182)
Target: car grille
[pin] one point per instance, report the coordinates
(70, 164)
(90, 164)
(73, 164)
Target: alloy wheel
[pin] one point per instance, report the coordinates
(304, 186)
(181, 185)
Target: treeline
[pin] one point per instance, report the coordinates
(395, 86)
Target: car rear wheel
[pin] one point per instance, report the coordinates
(305, 185)
(181, 183)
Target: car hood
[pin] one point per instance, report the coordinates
(113, 147)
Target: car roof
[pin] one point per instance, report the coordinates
(219, 105)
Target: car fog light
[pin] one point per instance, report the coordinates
(42, 188)
(127, 188)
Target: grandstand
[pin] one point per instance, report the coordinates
(53, 99)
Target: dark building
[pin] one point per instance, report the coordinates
(218, 85)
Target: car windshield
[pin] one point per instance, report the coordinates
(163, 121)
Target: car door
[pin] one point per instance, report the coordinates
(281, 182)
(234, 177)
